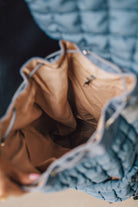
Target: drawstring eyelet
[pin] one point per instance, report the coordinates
(86, 52)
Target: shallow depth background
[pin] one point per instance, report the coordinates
(20, 39)
(69, 198)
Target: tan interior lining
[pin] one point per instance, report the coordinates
(57, 111)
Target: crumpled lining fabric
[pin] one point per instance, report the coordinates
(109, 28)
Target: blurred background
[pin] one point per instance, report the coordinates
(69, 198)
(20, 39)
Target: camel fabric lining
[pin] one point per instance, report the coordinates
(58, 110)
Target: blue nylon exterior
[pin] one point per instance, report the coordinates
(92, 176)
(108, 28)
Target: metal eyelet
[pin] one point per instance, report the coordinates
(86, 52)
(89, 80)
(53, 173)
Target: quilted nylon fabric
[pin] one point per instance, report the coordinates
(108, 28)
(90, 174)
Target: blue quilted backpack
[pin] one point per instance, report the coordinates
(102, 91)
(97, 152)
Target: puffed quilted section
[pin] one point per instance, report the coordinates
(113, 190)
(125, 144)
(109, 28)
(93, 175)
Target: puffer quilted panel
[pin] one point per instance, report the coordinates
(108, 28)
(93, 176)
